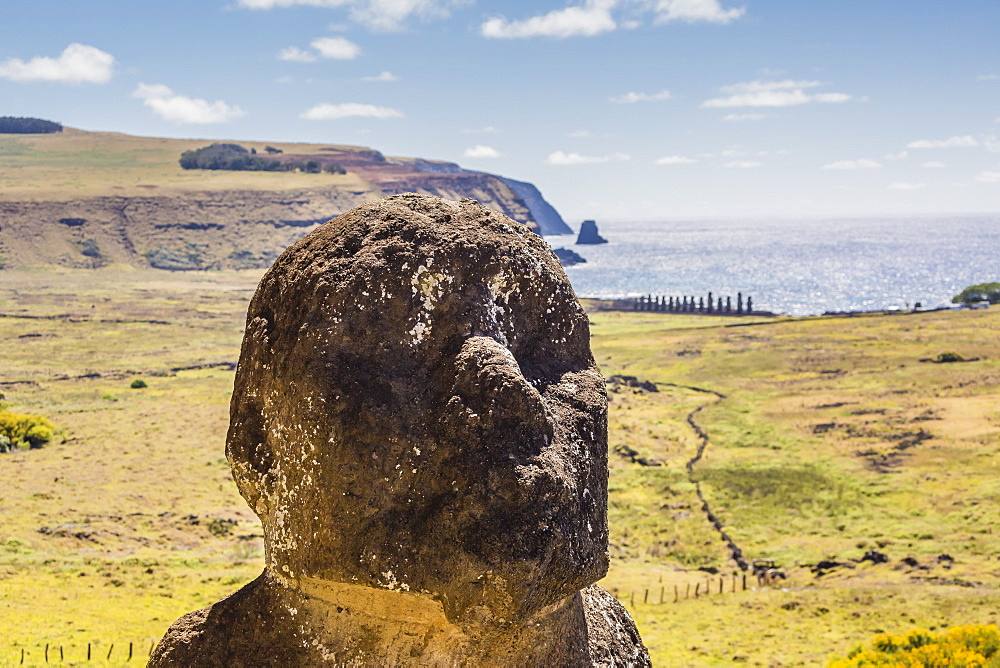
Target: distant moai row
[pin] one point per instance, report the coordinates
(692, 304)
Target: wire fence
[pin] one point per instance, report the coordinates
(114, 653)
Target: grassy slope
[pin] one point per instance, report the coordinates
(76, 164)
(138, 509)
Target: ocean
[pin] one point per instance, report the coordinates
(797, 267)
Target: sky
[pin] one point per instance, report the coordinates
(615, 109)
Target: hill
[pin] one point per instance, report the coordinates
(89, 199)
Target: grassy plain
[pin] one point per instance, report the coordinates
(833, 438)
(73, 164)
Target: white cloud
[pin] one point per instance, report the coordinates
(333, 112)
(988, 177)
(581, 134)
(331, 48)
(296, 55)
(863, 163)
(963, 141)
(988, 77)
(78, 63)
(560, 158)
(902, 155)
(182, 109)
(336, 48)
(632, 98)
(742, 164)
(736, 118)
(933, 164)
(898, 185)
(480, 151)
(374, 14)
(786, 93)
(384, 75)
(675, 160)
(733, 153)
(691, 11)
(592, 19)
(991, 142)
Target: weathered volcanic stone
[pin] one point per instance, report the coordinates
(419, 423)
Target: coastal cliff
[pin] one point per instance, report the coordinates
(87, 199)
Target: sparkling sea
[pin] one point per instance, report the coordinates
(798, 267)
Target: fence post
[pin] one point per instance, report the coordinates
(697, 586)
(46, 652)
(22, 655)
(110, 649)
(734, 582)
(632, 600)
(61, 659)
(129, 652)
(88, 651)
(744, 582)
(661, 593)
(720, 583)
(687, 591)
(645, 596)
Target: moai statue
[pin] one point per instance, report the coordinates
(710, 302)
(739, 303)
(729, 304)
(419, 423)
(749, 304)
(701, 303)
(718, 306)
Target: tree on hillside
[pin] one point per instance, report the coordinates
(988, 292)
(19, 125)
(237, 158)
(227, 156)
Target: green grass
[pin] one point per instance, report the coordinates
(75, 163)
(805, 463)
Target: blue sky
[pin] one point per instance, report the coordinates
(616, 109)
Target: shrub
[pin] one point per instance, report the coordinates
(138, 384)
(989, 292)
(973, 645)
(23, 431)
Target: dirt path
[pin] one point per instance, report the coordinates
(734, 550)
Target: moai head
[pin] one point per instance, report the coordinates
(416, 408)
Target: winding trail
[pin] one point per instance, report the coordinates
(734, 550)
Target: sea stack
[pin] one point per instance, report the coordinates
(568, 257)
(588, 234)
(419, 423)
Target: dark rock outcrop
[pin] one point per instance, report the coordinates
(568, 258)
(588, 234)
(419, 423)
